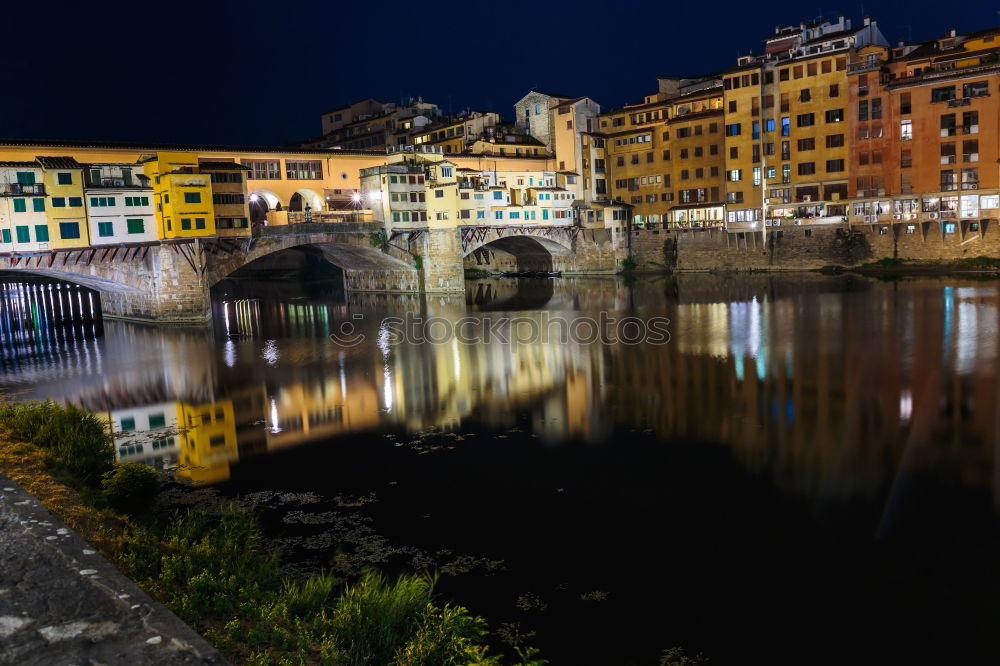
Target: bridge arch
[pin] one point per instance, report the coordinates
(365, 268)
(305, 197)
(520, 252)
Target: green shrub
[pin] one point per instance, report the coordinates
(131, 487)
(73, 439)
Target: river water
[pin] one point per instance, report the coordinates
(793, 469)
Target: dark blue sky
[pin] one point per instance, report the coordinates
(261, 72)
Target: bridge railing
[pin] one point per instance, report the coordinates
(260, 231)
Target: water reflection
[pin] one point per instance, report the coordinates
(831, 386)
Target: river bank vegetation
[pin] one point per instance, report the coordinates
(214, 569)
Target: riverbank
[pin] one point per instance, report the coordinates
(213, 570)
(972, 266)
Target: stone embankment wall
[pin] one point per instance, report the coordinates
(809, 248)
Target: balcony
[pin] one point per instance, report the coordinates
(19, 190)
(117, 183)
(865, 66)
(961, 101)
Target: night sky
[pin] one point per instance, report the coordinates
(262, 72)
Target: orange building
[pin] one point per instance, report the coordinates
(924, 126)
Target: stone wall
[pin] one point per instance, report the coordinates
(441, 260)
(595, 252)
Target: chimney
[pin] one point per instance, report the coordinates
(868, 20)
(952, 32)
(777, 29)
(901, 43)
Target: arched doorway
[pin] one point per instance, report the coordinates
(303, 198)
(262, 201)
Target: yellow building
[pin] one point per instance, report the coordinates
(182, 194)
(230, 201)
(696, 140)
(635, 140)
(450, 137)
(207, 441)
(67, 217)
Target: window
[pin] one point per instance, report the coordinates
(970, 122)
(192, 197)
(69, 230)
(38, 205)
(734, 175)
(949, 180)
(947, 153)
(75, 202)
(25, 178)
(863, 110)
(157, 420)
(807, 168)
(904, 103)
(734, 152)
(199, 223)
(970, 179)
(439, 194)
(948, 124)
(943, 94)
(769, 125)
(786, 126)
(105, 229)
(304, 169)
(446, 172)
(144, 201)
(20, 205)
(975, 89)
(756, 176)
(23, 234)
(835, 115)
(806, 144)
(905, 130)
(5, 235)
(834, 88)
(128, 424)
(42, 233)
(497, 195)
(905, 158)
(834, 140)
(58, 202)
(135, 226)
(263, 169)
(733, 129)
(834, 166)
(970, 151)
(804, 95)
(877, 108)
(185, 224)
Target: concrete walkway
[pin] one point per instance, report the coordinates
(61, 603)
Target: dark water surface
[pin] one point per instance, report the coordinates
(805, 474)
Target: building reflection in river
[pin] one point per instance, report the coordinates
(831, 386)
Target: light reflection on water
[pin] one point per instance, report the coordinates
(830, 386)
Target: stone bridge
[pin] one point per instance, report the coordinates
(171, 280)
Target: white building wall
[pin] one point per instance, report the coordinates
(100, 213)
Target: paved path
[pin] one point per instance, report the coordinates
(61, 603)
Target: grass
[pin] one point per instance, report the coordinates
(216, 572)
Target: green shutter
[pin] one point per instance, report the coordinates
(95, 176)
(20, 205)
(5, 235)
(26, 177)
(58, 202)
(105, 229)
(64, 178)
(75, 202)
(135, 226)
(94, 202)
(38, 205)
(41, 233)
(199, 223)
(111, 201)
(192, 197)
(69, 230)
(23, 234)
(145, 201)
(185, 223)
